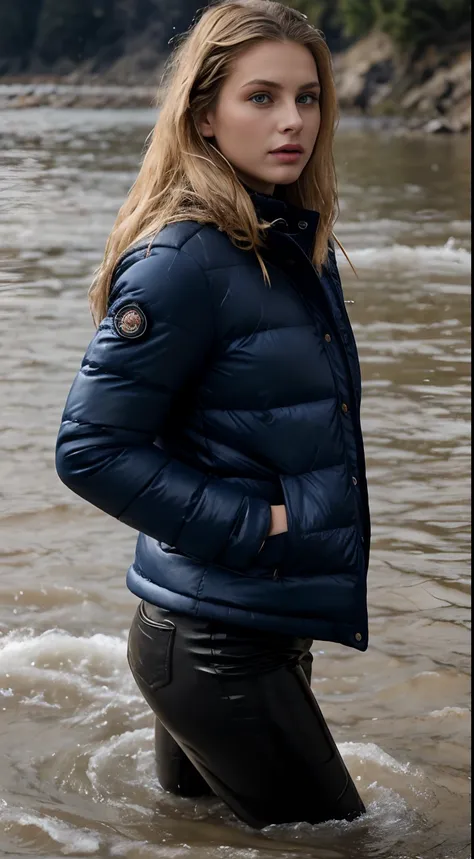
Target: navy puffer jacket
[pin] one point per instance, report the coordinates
(203, 398)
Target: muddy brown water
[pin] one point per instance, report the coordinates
(76, 761)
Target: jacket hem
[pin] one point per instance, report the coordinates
(316, 628)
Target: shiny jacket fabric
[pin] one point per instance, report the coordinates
(236, 397)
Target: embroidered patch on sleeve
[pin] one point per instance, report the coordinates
(130, 322)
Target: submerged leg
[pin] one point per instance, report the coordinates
(175, 771)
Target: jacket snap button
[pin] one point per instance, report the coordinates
(302, 224)
(358, 636)
(327, 338)
(354, 480)
(345, 407)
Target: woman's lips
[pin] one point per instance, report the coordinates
(287, 157)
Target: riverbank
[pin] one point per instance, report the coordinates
(49, 91)
(431, 94)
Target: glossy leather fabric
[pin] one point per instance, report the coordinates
(235, 716)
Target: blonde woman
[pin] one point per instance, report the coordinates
(216, 411)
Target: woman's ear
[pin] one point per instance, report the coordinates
(204, 124)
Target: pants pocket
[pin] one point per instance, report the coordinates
(150, 649)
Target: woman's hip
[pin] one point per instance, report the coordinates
(162, 642)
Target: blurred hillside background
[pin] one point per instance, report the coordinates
(408, 58)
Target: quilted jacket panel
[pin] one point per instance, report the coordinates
(237, 396)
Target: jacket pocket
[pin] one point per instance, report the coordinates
(272, 555)
(322, 529)
(150, 649)
(267, 560)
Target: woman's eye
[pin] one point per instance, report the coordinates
(265, 95)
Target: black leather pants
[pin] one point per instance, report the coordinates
(235, 716)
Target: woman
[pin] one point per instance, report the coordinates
(216, 411)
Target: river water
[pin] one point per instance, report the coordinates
(76, 761)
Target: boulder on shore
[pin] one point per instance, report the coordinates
(431, 92)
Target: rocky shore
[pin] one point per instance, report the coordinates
(431, 94)
(17, 94)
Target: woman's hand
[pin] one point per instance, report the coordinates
(279, 522)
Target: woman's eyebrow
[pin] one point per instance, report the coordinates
(280, 86)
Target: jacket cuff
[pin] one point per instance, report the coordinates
(248, 536)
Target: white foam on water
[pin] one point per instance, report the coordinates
(38, 701)
(23, 648)
(390, 814)
(128, 744)
(445, 259)
(372, 752)
(144, 848)
(55, 664)
(389, 820)
(71, 839)
(387, 813)
(449, 711)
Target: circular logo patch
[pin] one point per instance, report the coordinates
(130, 322)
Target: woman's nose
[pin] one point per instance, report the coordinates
(291, 117)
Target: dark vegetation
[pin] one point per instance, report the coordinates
(55, 36)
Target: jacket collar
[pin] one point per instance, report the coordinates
(298, 222)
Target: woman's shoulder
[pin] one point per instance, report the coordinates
(206, 243)
(183, 235)
(182, 252)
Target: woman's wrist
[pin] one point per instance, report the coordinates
(279, 523)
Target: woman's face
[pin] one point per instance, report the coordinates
(252, 119)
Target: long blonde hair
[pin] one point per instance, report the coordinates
(183, 176)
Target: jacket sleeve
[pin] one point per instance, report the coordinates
(118, 406)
